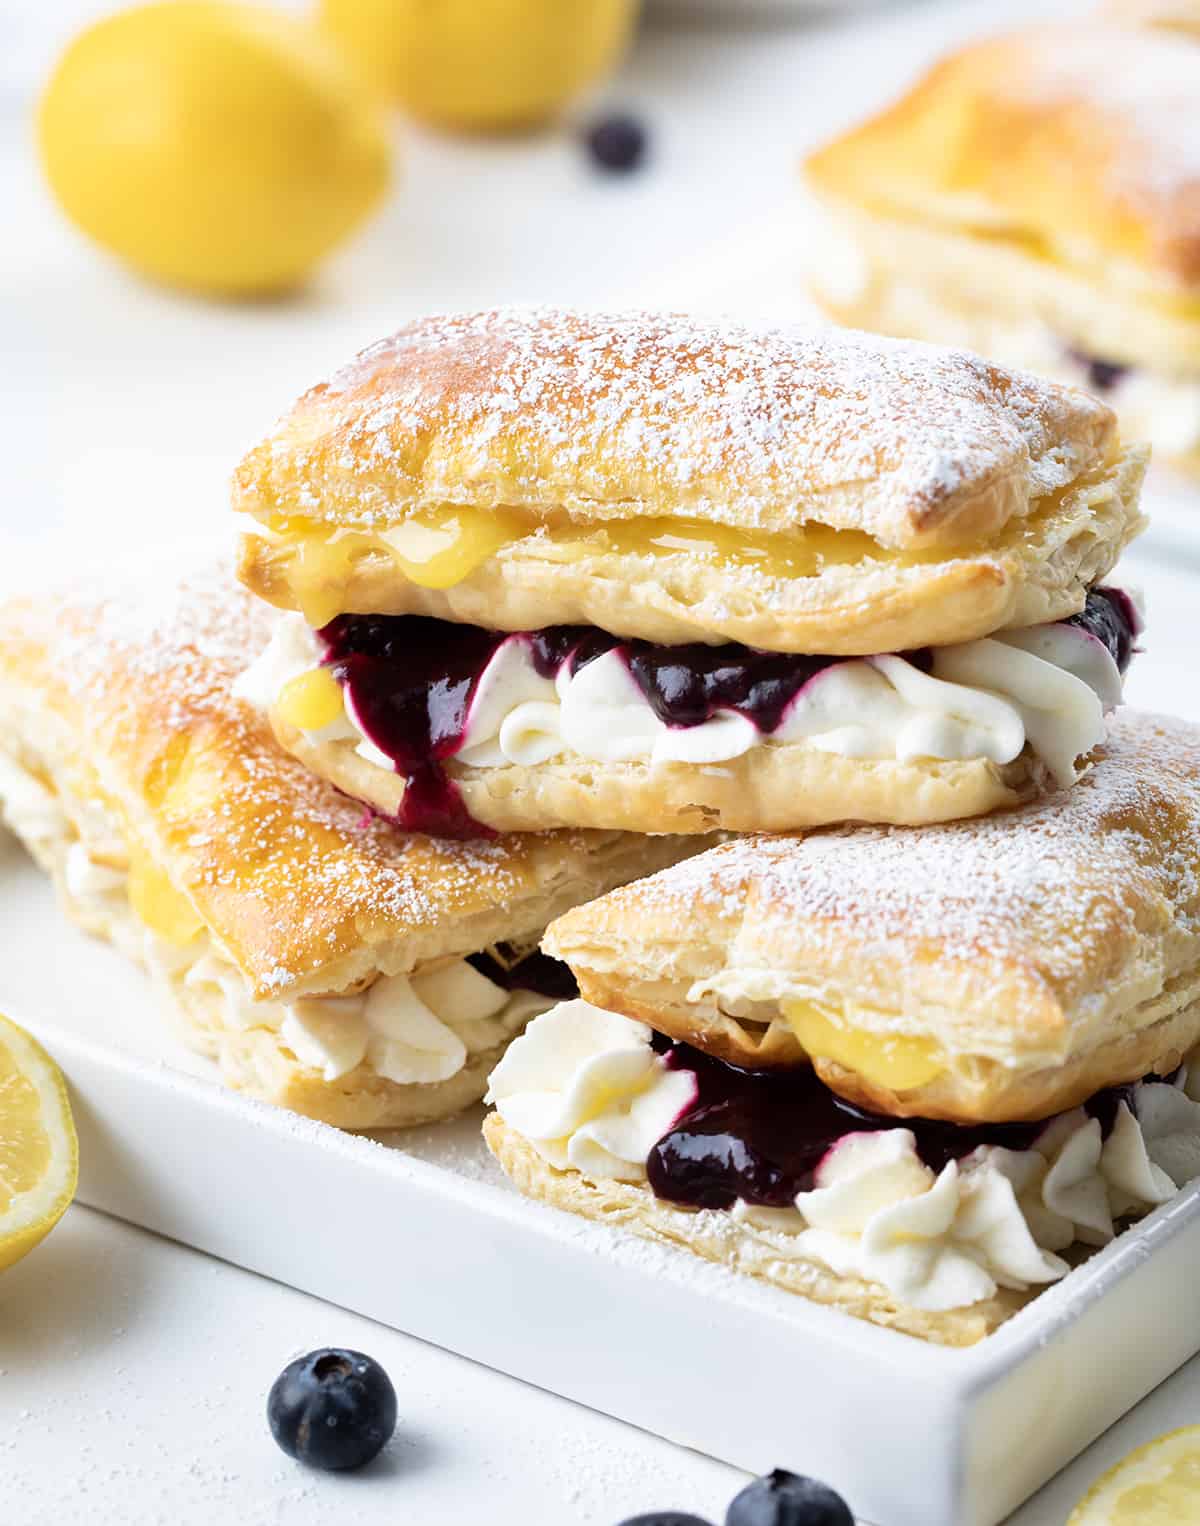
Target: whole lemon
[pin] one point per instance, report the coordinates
(481, 64)
(217, 147)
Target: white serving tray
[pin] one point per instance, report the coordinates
(426, 1236)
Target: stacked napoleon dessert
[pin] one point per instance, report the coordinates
(541, 570)
(607, 585)
(1035, 197)
(361, 975)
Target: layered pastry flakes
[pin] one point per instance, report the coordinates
(908, 1073)
(546, 569)
(1035, 196)
(331, 964)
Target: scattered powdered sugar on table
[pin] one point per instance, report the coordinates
(634, 413)
(1055, 886)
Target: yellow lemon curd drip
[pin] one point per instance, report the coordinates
(896, 1061)
(24, 1142)
(310, 701)
(158, 905)
(800, 553)
(435, 548)
(440, 547)
(443, 545)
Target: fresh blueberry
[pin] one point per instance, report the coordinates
(1102, 375)
(786, 1499)
(665, 1518)
(332, 1409)
(617, 143)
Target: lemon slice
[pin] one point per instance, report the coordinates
(1158, 1485)
(39, 1155)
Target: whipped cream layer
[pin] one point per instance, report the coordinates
(528, 698)
(410, 1029)
(938, 1214)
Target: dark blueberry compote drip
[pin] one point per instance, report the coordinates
(687, 685)
(760, 1135)
(1111, 617)
(551, 647)
(410, 680)
(536, 972)
(1102, 375)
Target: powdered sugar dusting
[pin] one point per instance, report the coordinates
(1143, 86)
(1056, 887)
(619, 415)
(290, 873)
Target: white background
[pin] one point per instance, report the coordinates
(133, 1372)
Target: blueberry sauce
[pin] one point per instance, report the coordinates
(409, 681)
(1102, 375)
(1111, 617)
(760, 1135)
(537, 972)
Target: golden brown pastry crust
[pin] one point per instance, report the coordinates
(1046, 952)
(717, 1237)
(132, 704)
(590, 418)
(1068, 139)
(917, 496)
(252, 1058)
(1038, 569)
(768, 789)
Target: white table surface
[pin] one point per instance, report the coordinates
(133, 1372)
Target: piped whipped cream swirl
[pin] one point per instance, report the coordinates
(588, 1091)
(1046, 686)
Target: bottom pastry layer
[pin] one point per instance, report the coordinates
(937, 1229)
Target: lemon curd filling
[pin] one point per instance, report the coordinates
(435, 548)
(158, 905)
(310, 701)
(896, 1061)
(441, 547)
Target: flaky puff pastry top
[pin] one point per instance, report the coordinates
(678, 479)
(998, 969)
(1079, 142)
(129, 697)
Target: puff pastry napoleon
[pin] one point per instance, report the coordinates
(330, 963)
(1035, 196)
(993, 970)
(545, 569)
(900, 1072)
